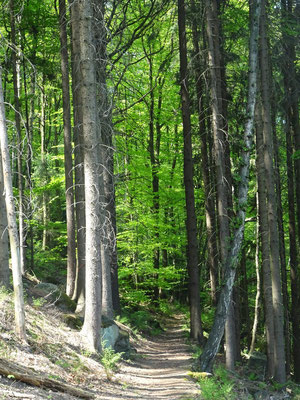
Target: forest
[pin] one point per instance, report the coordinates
(151, 162)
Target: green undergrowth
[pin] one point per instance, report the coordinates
(141, 321)
(224, 385)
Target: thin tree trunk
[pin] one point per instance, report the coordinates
(280, 370)
(294, 265)
(265, 244)
(257, 297)
(4, 255)
(70, 216)
(211, 348)
(191, 222)
(44, 171)
(17, 108)
(12, 223)
(79, 292)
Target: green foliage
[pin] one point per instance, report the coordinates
(219, 386)
(140, 320)
(38, 302)
(110, 360)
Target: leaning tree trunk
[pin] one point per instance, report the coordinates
(222, 161)
(212, 345)
(70, 216)
(191, 222)
(12, 223)
(83, 18)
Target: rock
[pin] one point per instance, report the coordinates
(73, 321)
(114, 336)
(122, 344)
(110, 335)
(53, 294)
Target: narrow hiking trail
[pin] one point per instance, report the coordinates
(159, 371)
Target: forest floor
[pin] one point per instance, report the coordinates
(157, 369)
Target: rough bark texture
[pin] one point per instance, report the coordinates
(70, 216)
(211, 348)
(79, 293)
(280, 370)
(210, 215)
(264, 236)
(16, 83)
(83, 17)
(12, 223)
(292, 130)
(221, 158)
(106, 173)
(191, 223)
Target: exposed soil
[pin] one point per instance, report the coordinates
(157, 371)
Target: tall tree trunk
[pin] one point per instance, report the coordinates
(79, 292)
(282, 252)
(12, 223)
(44, 170)
(210, 215)
(212, 345)
(16, 82)
(108, 238)
(265, 243)
(292, 131)
(222, 162)
(191, 222)
(82, 19)
(280, 370)
(258, 290)
(4, 255)
(70, 215)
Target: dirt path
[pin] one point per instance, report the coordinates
(159, 372)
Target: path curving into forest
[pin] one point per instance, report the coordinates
(159, 371)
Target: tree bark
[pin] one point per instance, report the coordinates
(4, 256)
(292, 131)
(70, 216)
(258, 290)
(265, 244)
(12, 224)
(191, 222)
(210, 215)
(83, 17)
(222, 161)
(17, 108)
(211, 348)
(280, 370)
(79, 291)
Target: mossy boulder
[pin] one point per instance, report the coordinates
(54, 294)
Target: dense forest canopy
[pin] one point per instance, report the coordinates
(155, 159)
